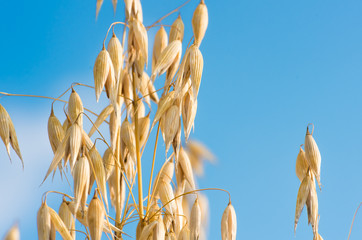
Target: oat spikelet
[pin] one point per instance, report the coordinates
(8, 134)
(189, 109)
(59, 224)
(75, 141)
(167, 57)
(152, 92)
(115, 51)
(114, 124)
(95, 218)
(312, 207)
(166, 194)
(313, 155)
(160, 42)
(177, 30)
(165, 174)
(101, 70)
(128, 137)
(43, 222)
(100, 119)
(144, 127)
(164, 104)
(114, 3)
(170, 123)
(98, 7)
(159, 230)
(148, 230)
(196, 67)
(228, 223)
(75, 108)
(81, 176)
(13, 233)
(301, 165)
(317, 237)
(184, 234)
(140, 35)
(108, 162)
(195, 221)
(303, 193)
(66, 215)
(200, 20)
(185, 165)
(55, 131)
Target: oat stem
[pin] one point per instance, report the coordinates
(104, 41)
(350, 230)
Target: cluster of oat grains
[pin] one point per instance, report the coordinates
(308, 168)
(167, 210)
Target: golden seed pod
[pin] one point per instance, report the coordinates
(303, 193)
(167, 57)
(160, 42)
(228, 223)
(185, 164)
(196, 67)
(108, 162)
(98, 7)
(95, 218)
(102, 68)
(59, 224)
(43, 222)
(100, 119)
(177, 30)
(8, 134)
(98, 173)
(13, 233)
(312, 154)
(75, 108)
(189, 109)
(200, 20)
(164, 104)
(301, 166)
(195, 221)
(312, 207)
(81, 176)
(66, 215)
(115, 51)
(169, 124)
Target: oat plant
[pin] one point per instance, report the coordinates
(172, 207)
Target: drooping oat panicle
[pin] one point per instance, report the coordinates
(164, 104)
(189, 109)
(177, 30)
(43, 222)
(102, 68)
(185, 164)
(200, 20)
(98, 173)
(228, 223)
(115, 51)
(75, 108)
(160, 42)
(313, 155)
(108, 162)
(170, 123)
(98, 7)
(13, 233)
(81, 176)
(59, 224)
(66, 215)
(100, 119)
(166, 58)
(8, 134)
(196, 67)
(95, 218)
(195, 221)
(301, 166)
(303, 193)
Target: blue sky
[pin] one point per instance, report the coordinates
(271, 67)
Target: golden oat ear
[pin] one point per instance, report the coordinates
(98, 7)
(13, 233)
(160, 43)
(228, 223)
(195, 220)
(95, 217)
(67, 217)
(200, 20)
(59, 224)
(313, 155)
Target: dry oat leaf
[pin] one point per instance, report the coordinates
(166, 195)
(81, 176)
(75, 108)
(189, 109)
(196, 67)
(100, 119)
(164, 104)
(148, 230)
(177, 30)
(59, 224)
(303, 193)
(228, 223)
(8, 134)
(301, 165)
(313, 155)
(95, 218)
(195, 221)
(109, 162)
(186, 167)
(13, 233)
(101, 71)
(66, 215)
(166, 58)
(43, 222)
(200, 20)
(98, 7)
(160, 42)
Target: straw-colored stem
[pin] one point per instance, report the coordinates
(152, 168)
(350, 230)
(139, 165)
(104, 41)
